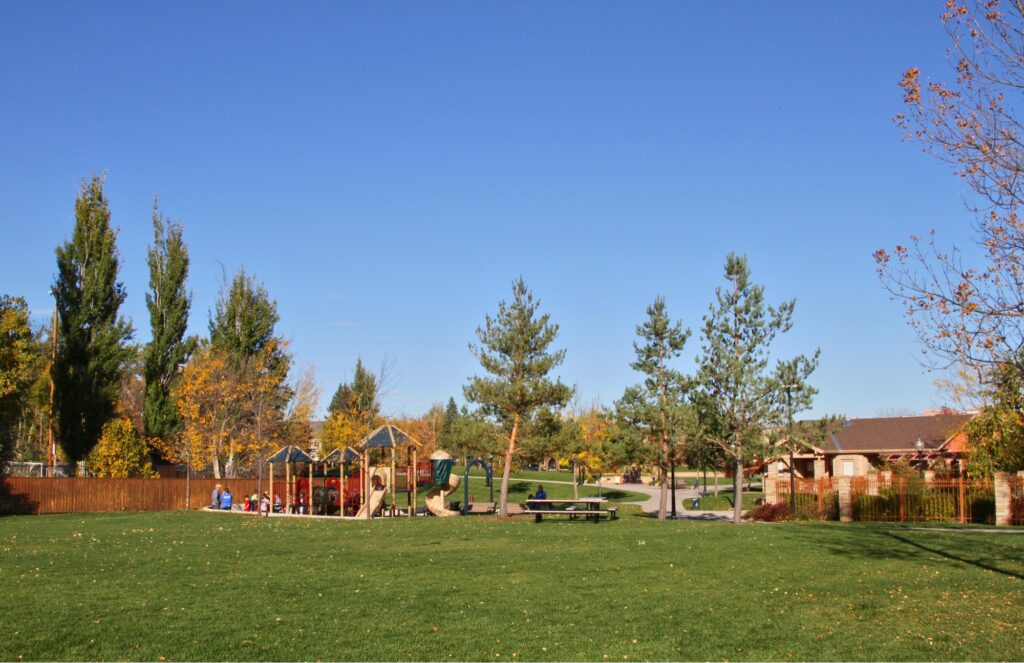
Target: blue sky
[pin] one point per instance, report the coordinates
(388, 169)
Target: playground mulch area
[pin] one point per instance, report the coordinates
(193, 586)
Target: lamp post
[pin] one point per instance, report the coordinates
(919, 445)
(789, 442)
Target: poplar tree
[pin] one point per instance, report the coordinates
(168, 302)
(92, 344)
(515, 351)
(733, 368)
(657, 406)
(243, 321)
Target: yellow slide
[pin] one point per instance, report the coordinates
(376, 497)
(435, 498)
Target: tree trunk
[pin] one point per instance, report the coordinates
(506, 471)
(575, 482)
(663, 498)
(737, 491)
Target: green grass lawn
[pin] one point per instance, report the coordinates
(195, 586)
(724, 501)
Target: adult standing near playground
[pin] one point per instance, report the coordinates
(215, 497)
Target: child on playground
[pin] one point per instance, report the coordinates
(225, 499)
(265, 504)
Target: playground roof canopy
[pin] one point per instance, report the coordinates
(290, 454)
(348, 455)
(387, 436)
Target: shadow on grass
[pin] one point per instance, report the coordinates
(1001, 556)
(15, 503)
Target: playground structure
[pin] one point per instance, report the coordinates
(444, 483)
(366, 481)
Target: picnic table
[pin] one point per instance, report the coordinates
(587, 507)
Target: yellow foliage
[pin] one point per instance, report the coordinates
(121, 452)
(342, 430)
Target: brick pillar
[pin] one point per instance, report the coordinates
(845, 500)
(929, 475)
(819, 468)
(771, 495)
(1002, 486)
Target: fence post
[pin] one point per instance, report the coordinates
(845, 500)
(1002, 489)
(963, 501)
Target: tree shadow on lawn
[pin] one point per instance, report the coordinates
(1000, 555)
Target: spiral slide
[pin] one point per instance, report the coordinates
(435, 498)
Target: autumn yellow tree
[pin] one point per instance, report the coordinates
(121, 452)
(342, 429)
(210, 399)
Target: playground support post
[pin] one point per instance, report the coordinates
(287, 487)
(415, 482)
(271, 481)
(393, 506)
(309, 489)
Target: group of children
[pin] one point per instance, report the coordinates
(223, 500)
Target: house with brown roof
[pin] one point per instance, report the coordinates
(862, 446)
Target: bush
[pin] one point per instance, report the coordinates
(770, 513)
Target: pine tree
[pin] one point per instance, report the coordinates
(168, 302)
(515, 350)
(358, 400)
(92, 340)
(657, 406)
(737, 337)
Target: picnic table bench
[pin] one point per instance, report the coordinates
(586, 507)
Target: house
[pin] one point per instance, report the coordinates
(862, 446)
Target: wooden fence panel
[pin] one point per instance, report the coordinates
(815, 498)
(912, 499)
(81, 495)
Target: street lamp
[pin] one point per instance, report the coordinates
(789, 442)
(919, 445)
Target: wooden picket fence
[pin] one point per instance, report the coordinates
(912, 499)
(80, 495)
(815, 498)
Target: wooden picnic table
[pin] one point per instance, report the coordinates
(591, 508)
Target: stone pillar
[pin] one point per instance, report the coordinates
(771, 495)
(845, 499)
(929, 476)
(1002, 487)
(819, 468)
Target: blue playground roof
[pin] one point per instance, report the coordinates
(349, 455)
(387, 437)
(290, 454)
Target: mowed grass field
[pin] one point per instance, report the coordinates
(197, 586)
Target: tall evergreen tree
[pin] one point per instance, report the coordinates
(737, 336)
(360, 398)
(92, 342)
(657, 406)
(244, 319)
(515, 351)
(168, 301)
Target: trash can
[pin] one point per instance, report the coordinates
(695, 501)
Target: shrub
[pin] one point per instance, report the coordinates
(770, 513)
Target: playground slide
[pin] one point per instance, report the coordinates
(374, 504)
(435, 498)
(376, 496)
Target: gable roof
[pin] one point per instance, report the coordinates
(290, 454)
(895, 433)
(349, 455)
(386, 437)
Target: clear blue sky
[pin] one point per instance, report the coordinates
(389, 168)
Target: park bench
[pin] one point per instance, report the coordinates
(589, 508)
(476, 508)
